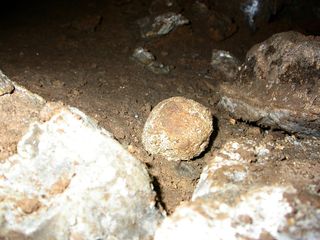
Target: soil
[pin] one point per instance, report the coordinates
(78, 52)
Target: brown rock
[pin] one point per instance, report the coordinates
(279, 85)
(177, 129)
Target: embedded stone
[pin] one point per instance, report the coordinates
(177, 129)
(253, 189)
(278, 85)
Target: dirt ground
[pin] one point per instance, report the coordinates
(78, 52)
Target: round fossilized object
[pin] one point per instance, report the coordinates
(177, 129)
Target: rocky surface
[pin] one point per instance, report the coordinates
(279, 85)
(146, 58)
(17, 111)
(240, 197)
(177, 129)
(161, 24)
(6, 86)
(225, 64)
(71, 180)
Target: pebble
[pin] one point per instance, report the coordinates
(236, 198)
(161, 24)
(177, 129)
(70, 178)
(145, 57)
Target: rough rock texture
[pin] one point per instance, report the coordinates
(231, 202)
(6, 86)
(17, 111)
(263, 213)
(177, 129)
(146, 58)
(225, 64)
(161, 25)
(279, 85)
(72, 180)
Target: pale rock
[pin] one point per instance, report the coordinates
(70, 180)
(232, 201)
(273, 212)
(6, 86)
(161, 24)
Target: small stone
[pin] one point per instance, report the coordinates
(159, 68)
(177, 129)
(145, 57)
(254, 131)
(232, 121)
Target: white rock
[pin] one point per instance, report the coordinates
(232, 201)
(71, 180)
(261, 213)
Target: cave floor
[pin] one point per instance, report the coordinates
(59, 52)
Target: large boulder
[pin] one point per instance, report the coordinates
(71, 180)
(279, 85)
(253, 189)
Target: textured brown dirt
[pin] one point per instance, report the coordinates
(78, 52)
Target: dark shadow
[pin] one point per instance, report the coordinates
(215, 124)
